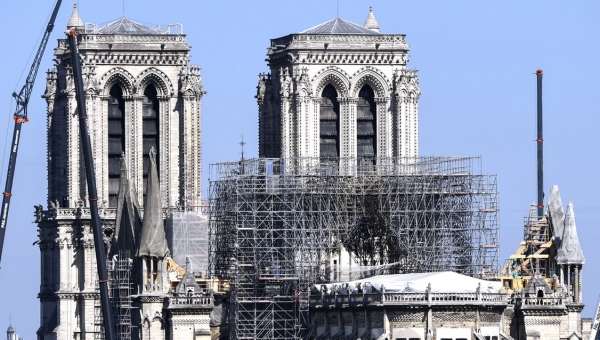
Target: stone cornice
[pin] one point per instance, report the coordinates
(61, 295)
(133, 38)
(151, 298)
(70, 214)
(189, 321)
(201, 310)
(555, 311)
(541, 321)
(395, 41)
(349, 58)
(575, 307)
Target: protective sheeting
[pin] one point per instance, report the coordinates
(570, 249)
(565, 230)
(218, 316)
(153, 242)
(128, 221)
(440, 282)
(187, 233)
(557, 214)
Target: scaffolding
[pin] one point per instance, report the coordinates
(120, 267)
(279, 226)
(187, 233)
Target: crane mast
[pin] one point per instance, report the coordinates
(20, 117)
(595, 322)
(109, 330)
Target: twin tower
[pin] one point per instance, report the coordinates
(339, 91)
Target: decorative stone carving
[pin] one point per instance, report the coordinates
(373, 77)
(407, 84)
(285, 83)
(190, 81)
(158, 78)
(120, 75)
(332, 75)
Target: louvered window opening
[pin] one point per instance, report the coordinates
(366, 111)
(329, 118)
(116, 141)
(150, 129)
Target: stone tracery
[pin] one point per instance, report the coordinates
(158, 78)
(117, 75)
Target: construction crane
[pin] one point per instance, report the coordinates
(20, 117)
(595, 323)
(109, 330)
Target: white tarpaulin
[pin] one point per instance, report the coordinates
(441, 282)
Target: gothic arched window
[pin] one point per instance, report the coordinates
(116, 141)
(329, 117)
(366, 111)
(150, 129)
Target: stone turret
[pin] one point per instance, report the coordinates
(371, 23)
(75, 19)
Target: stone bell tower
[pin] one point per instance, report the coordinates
(141, 94)
(339, 90)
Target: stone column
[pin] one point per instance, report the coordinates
(569, 288)
(101, 163)
(383, 124)
(191, 146)
(286, 130)
(171, 150)
(576, 285)
(347, 136)
(134, 142)
(72, 153)
(316, 127)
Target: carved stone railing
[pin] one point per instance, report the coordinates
(71, 213)
(60, 213)
(539, 301)
(364, 299)
(202, 301)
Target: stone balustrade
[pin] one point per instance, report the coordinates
(191, 301)
(363, 299)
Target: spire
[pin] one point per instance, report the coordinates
(75, 20)
(371, 23)
(557, 215)
(153, 242)
(570, 249)
(128, 221)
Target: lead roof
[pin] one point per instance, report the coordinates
(126, 26)
(339, 26)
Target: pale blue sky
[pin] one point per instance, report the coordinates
(476, 61)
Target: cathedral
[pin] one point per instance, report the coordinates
(296, 243)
